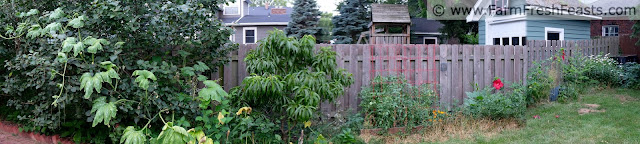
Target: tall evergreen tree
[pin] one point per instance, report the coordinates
(353, 20)
(304, 19)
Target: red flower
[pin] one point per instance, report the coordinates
(557, 116)
(536, 117)
(497, 84)
(563, 54)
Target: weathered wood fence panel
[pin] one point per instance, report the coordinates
(455, 69)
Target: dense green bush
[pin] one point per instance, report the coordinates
(392, 102)
(289, 79)
(568, 92)
(70, 66)
(594, 69)
(539, 84)
(503, 103)
(631, 75)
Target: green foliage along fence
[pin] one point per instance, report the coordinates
(456, 69)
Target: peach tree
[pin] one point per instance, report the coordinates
(289, 78)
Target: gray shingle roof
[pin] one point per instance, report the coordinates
(261, 15)
(264, 18)
(606, 4)
(424, 25)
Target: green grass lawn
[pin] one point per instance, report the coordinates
(619, 124)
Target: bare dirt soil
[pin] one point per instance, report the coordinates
(9, 138)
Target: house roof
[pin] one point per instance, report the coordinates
(537, 3)
(389, 13)
(606, 4)
(556, 3)
(262, 16)
(423, 25)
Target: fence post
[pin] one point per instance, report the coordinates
(445, 77)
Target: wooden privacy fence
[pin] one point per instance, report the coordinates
(455, 69)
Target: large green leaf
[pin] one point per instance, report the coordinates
(34, 31)
(201, 67)
(53, 27)
(78, 48)
(94, 48)
(86, 83)
(77, 22)
(173, 134)
(143, 78)
(62, 57)
(68, 43)
(212, 91)
(132, 136)
(90, 82)
(32, 12)
(56, 14)
(103, 111)
(111, 71)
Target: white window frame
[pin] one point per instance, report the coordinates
(244, 34)
(501, 7)
(607, 26)
(426, 38)
(233, 35)
(237, 4)
(551, 29)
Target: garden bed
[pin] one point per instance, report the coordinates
(12, 134)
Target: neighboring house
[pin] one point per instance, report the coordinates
(517, 29)
(619, 26)
(425, 31)
(253, 23)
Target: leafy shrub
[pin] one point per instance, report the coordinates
(568, 92)
(602, 69)
(83, 68)
(347, 137)
(289, 79)
(391, 102)
(539, 83)
(503, 103)
(631, 75)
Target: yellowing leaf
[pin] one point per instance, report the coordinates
(244, 109)
(220, 117)
(307, 124)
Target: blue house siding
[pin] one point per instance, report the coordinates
(481, 32)
(573, 29)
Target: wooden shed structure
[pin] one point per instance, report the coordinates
(390, 24)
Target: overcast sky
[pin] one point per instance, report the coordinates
(328, 5)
